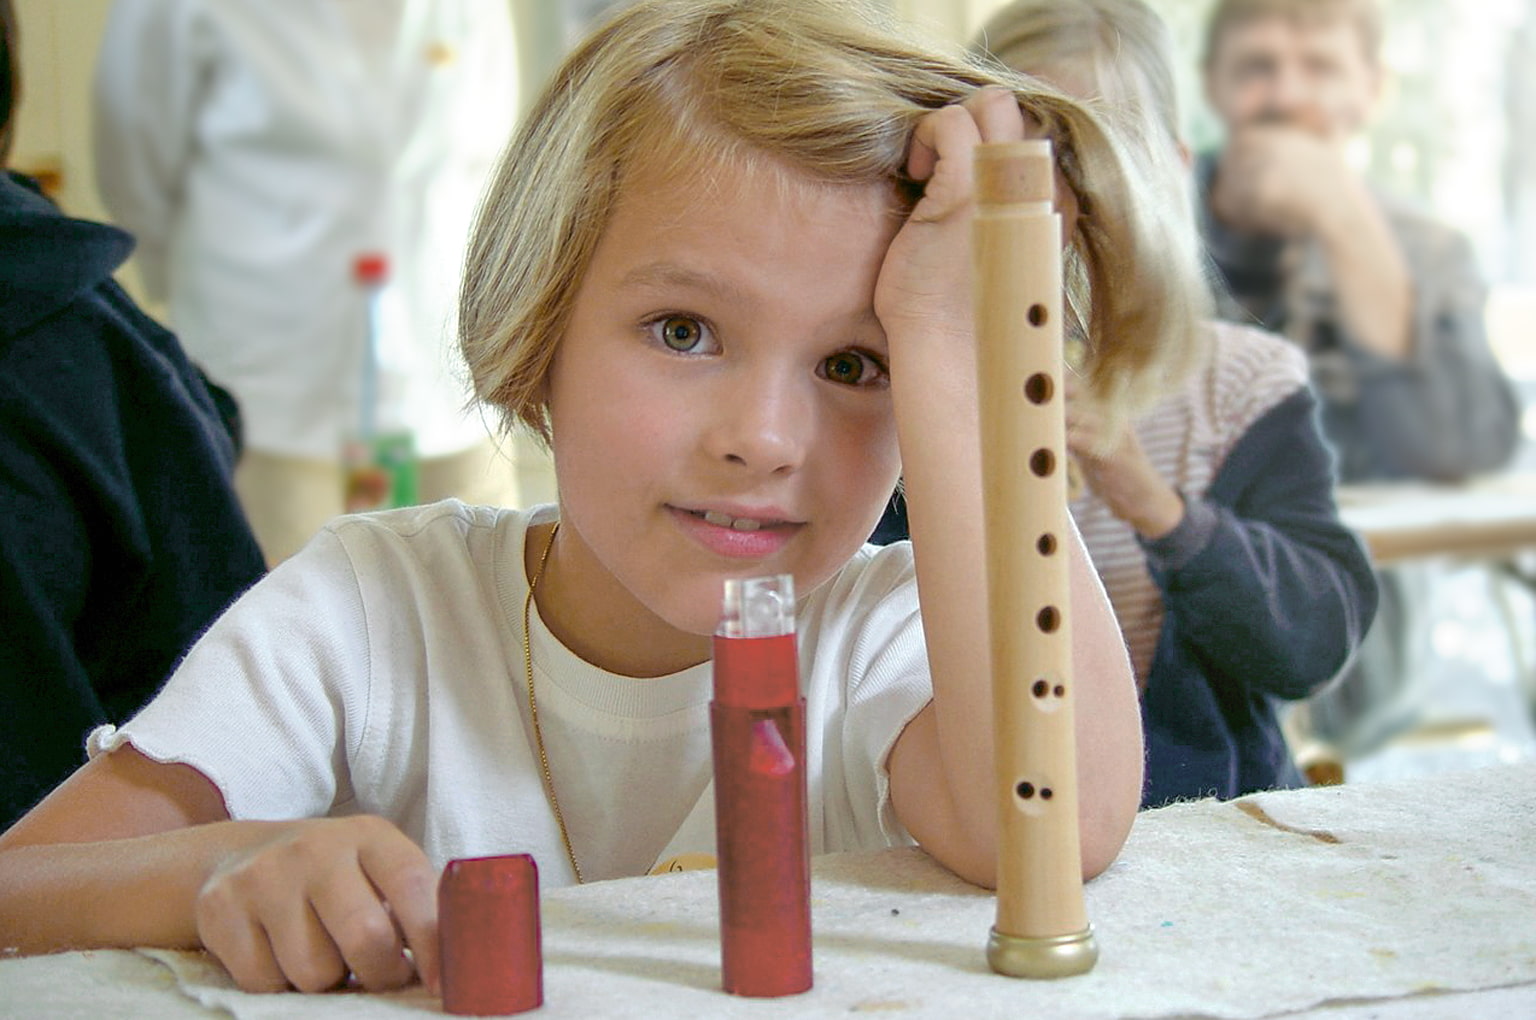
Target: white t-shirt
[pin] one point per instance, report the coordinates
(381, 671)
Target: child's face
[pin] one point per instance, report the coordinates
(720, 402)
(1314, 74)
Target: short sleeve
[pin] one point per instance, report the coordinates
(869, 678)
(263, 704)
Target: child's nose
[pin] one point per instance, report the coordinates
(762, 423)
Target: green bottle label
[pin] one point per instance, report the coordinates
(381, 472)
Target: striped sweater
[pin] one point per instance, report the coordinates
(1187, 437)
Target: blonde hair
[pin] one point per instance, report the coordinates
(1364, 15)
(1123, 47)
(829, 88)
(1118, 56)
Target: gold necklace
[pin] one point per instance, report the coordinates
(533, 705)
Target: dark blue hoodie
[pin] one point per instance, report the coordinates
(120, 534)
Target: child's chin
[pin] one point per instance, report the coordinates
(700, 617)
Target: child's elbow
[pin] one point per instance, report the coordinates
(1100, 852)
(1105, 825)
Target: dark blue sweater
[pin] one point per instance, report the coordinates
(120, 535)
(1265, 610)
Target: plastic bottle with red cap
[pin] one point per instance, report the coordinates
(380, 456)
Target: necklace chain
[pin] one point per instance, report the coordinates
(533, 704)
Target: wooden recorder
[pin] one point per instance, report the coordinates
(1041, 930)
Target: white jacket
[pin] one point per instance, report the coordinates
(256, 147)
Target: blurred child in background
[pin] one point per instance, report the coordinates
(120, 534)
(1210, 517)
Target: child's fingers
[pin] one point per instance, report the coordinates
(1084, 429)
(949, 131)
(1082, 441)
(996, 113)
(404, 878)
(241, 946)
(943, 146)
(363, 932)
(309, 957)
(260, 925)
(319, 899)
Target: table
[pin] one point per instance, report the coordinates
(1419, 527)
(1399, 900)
(1491, 518)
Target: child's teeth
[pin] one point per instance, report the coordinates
(727, 521)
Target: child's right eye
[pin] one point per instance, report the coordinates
(681, 333)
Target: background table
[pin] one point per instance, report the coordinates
(1393, 900)
(1487, 518)
(1465, 558)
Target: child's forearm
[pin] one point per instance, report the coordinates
(1108, 719)
(113, 857)
(951, 809)
(118, 893)
(945, 791)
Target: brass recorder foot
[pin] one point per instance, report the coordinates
(1052, 956)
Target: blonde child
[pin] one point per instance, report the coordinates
(723, 270)
(1210, 517)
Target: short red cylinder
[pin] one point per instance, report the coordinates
(488, 935)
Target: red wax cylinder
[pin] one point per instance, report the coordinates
(758, 731)
(488, 935)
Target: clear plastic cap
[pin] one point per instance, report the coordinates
(758, 607)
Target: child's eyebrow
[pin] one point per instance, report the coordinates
(665, 275)
(671, 275)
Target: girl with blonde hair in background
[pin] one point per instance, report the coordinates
(1210, 517)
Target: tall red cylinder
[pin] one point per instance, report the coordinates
(758, 731)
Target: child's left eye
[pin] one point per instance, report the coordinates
(853, 368)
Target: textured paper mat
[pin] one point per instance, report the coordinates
(1262, 907)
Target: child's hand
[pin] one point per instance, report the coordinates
(924, 283)
(1115, 466)
(320, 899)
